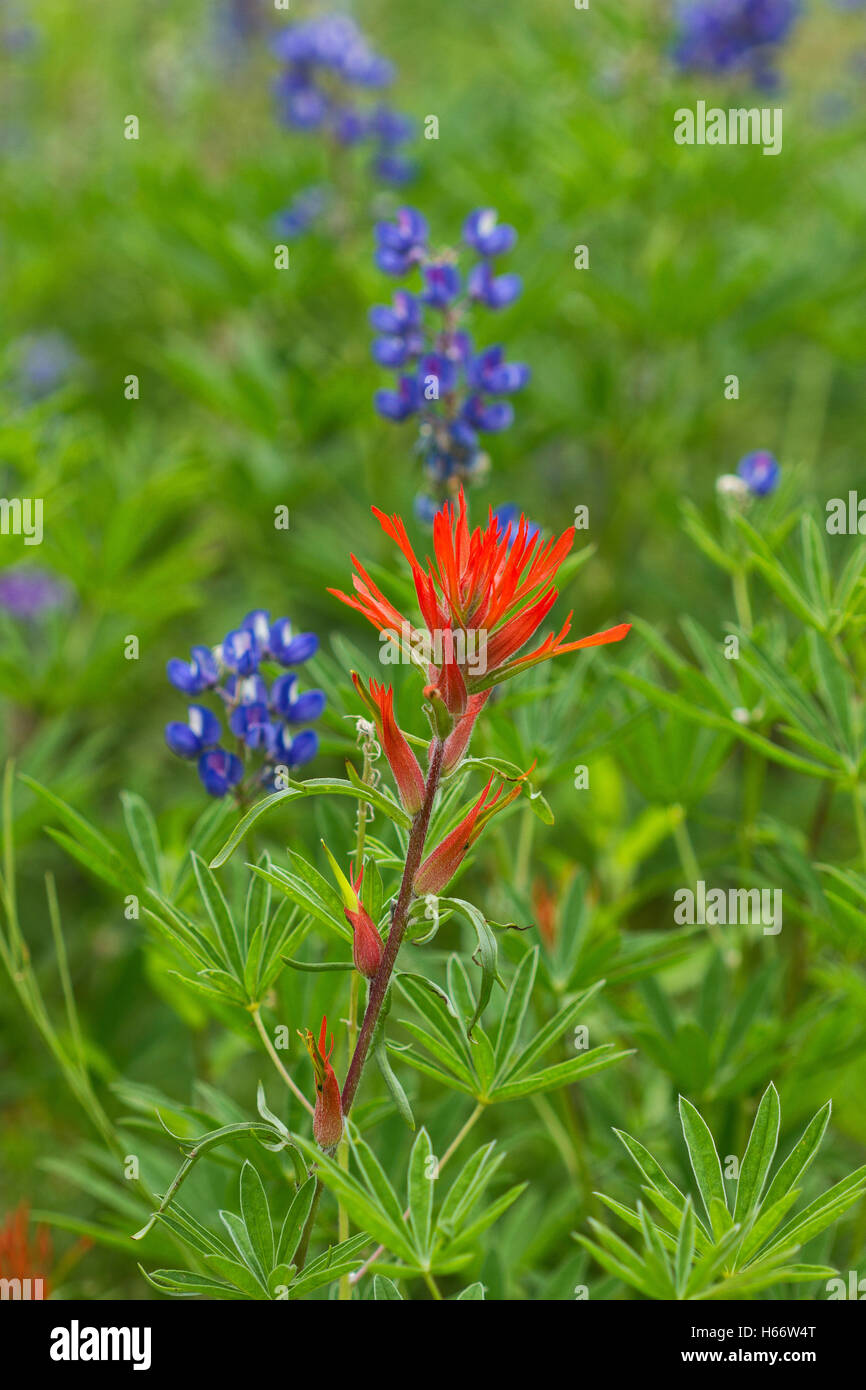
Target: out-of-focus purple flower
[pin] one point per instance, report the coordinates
(508, 518)
(760, 472)
(483, 231)
(329, 66)
(29, 593)
(240, 652)
(219, 771)
(490, 373)
(193, 676)
(302, 212)
(45, 362)
(441, 284)
(724, 36)
(426, 331)
(496, 291)
(400, 404)
(297, 708)
(402, 243)
(489, 418)
(202, 730)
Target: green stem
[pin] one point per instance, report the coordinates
(272, 1053)
(301, 1253)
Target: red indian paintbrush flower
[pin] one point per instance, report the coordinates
(482, 599)
(441, 866)
(401, 759)
(328, 1112)
(22, 1258)
(367, 943)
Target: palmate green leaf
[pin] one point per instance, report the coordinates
(562, 1073)
(467, 1187)
(91, 847)
(473, 1292)
(685, 1249)
(385, 1289)
(822, 1212)
(256, 1216)
(759, 1155)
(299, 889)
(675, 1216)
(222, 921)
(295, 1219)
(487, 953)
(800, 1157)
(257, 908)
(326, 1269)
(420, 1183)
(514, 1012)
(238, 1274)
(442, 1019)
(771, 1214)
(144, 835)
(240, 1238)
(320, 786)
(703, 1156)
(639, 1279)
(383, 1224)
(688, 710)
(183, 1283)
(560, 1026)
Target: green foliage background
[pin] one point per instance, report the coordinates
(155, 257)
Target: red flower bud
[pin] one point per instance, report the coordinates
(440, 867)
(402, 761)
(328, 1114)
(367, 945)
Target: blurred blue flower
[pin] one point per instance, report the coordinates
(27, 593)
(723, 36)
(305, 209)
(256, 716)
(760, 472)
(219, 771)
(508, 516)
(441, 378)
(329, 67)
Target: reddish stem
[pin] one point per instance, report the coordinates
(382, 978)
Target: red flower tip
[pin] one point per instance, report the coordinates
(328, 1112)
(401, 760)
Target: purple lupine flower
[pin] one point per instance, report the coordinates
(490, 373)
(401, 243)
(305, 209)
(193, 676)
(400, 404)
(257, 717)
(28, 593)
(508, 518)
(441, 284)
(496, 291)
(442, 379)
(760, 472)
(329, 71)
(729, 36)
(219, 771)
(288, 649)
(44, 363)
(486, 235)
(202, 730)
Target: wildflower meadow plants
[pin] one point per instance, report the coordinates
(491, 927)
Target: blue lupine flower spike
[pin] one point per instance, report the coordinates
(265, 720)
(441, 379)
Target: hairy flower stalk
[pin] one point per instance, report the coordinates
(382, 978)
(498, 581)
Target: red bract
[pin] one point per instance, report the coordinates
(328, 1112)
(401, 759)
(21, 1257)
(441, 866)
(482, 598)
(367, 943)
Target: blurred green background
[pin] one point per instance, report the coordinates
(155, 257)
